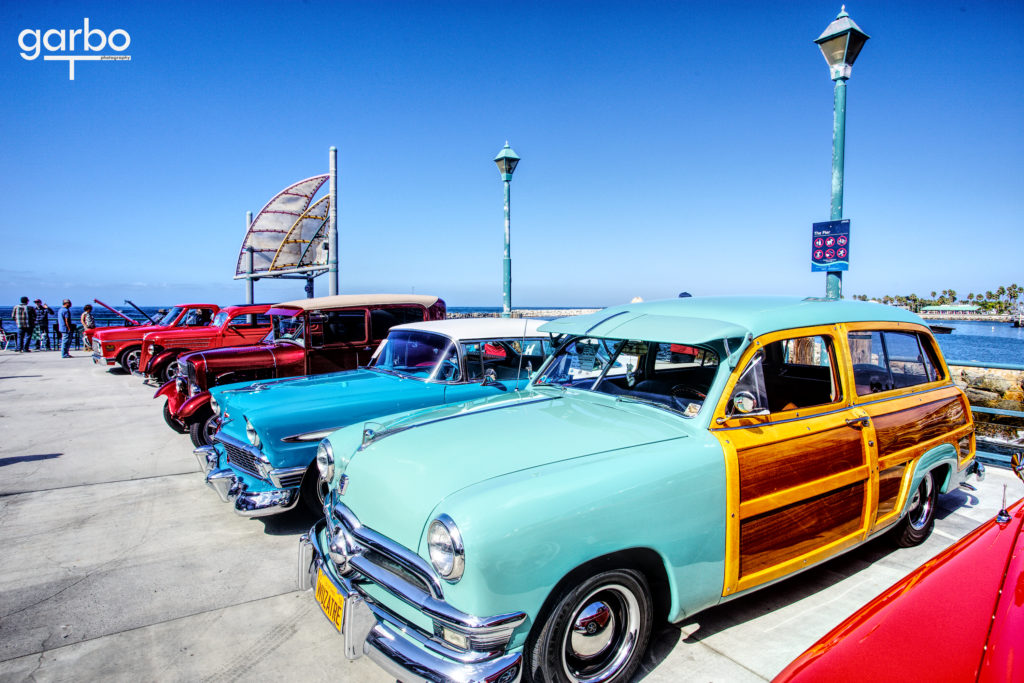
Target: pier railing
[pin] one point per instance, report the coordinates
(996, 394)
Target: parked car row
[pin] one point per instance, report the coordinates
(507, 499)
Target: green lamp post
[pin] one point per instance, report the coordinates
(506, 161)
(840, 43)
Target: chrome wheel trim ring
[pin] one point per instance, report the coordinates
(622, 635)
(921, 506)
(131, 360)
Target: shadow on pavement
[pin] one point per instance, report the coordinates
(28, 458)
(296, 521)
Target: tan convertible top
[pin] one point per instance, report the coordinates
(342, 300)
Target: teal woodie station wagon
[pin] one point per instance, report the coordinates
(670, 455)
(262, 458)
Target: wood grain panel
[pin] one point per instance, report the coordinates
(911, 426)
(781, 535)
(778, 466)
(889, 489)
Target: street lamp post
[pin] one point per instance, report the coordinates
(840, 43)
(506, 161)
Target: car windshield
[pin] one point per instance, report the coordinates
(287, 328)
(170, 316)
(418, 354)
(220, 319)
(672, 376)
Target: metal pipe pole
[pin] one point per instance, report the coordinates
(249, 286)
(834, 279)
(332, 227)
(506, 280)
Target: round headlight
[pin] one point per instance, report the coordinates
(250, 433)
(325, 460)
(181, 384)
(444, 543)
(214, 406)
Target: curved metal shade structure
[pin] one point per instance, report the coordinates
(287, 235)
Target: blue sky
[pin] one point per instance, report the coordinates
(666, 147)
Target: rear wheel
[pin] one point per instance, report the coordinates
(313, 490)
(919, 521)
(171, 422)
(129, 359)
(596, 632)
(203, 428)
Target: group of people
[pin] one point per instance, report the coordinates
(36, 318)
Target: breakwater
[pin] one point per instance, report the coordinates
(524, 313)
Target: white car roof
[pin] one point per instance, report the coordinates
(479, 328)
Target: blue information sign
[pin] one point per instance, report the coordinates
(830, 245)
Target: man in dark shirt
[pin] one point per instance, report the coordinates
(66, 328)
(43, 323)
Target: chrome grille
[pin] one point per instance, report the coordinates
(241, 459)
(291, 480)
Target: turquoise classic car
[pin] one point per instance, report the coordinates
(262, 458)
(668, 456)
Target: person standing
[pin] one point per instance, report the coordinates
(66, 328)
(88, 323)
(43, 323)
(25, 320)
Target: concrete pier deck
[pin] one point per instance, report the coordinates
(118, 563)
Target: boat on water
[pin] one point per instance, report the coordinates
(941, 329)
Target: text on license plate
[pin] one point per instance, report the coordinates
(330, 599)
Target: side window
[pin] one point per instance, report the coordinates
(250, 320)
(510, 360)
(885, 360)
(344, 326)
(790, 374)
(383, 319)
(197, 317)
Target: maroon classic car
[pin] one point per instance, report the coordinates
(123, 345)
(308, 337)
(232, 326)
(958, 617)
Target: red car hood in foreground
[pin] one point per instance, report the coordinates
(959, 617)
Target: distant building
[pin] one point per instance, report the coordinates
(952, 311)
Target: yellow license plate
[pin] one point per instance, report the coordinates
(331, 601)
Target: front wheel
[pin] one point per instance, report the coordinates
(171, 422)
(170, 371)
(202, 430)
(129, 359)
(313, 490)
(917, 525)
(597, 631)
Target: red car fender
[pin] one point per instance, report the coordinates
(159, 361)
(170, 391)
(192, 406)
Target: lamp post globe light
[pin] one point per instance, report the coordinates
(506, 160)
(840, 43)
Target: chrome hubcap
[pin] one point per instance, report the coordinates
(602, 635)
(132, 360)
(921, 505)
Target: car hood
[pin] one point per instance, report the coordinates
(398, 479)
(118, 333)
(289, 406)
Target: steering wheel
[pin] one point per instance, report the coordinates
(449, 370)
(688, 392)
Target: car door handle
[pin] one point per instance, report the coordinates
(859, 422)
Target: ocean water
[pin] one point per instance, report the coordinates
(980, 342)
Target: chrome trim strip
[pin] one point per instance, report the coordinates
(276, 475)
(307, 437)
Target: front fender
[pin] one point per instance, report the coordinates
(525, 531)
(192, 406)
(170, 391)
(157, 363)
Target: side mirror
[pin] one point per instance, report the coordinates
(490, 377)
(745, 403)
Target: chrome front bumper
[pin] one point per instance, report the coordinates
(370, 629)
(232, 489)
(98, 359)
